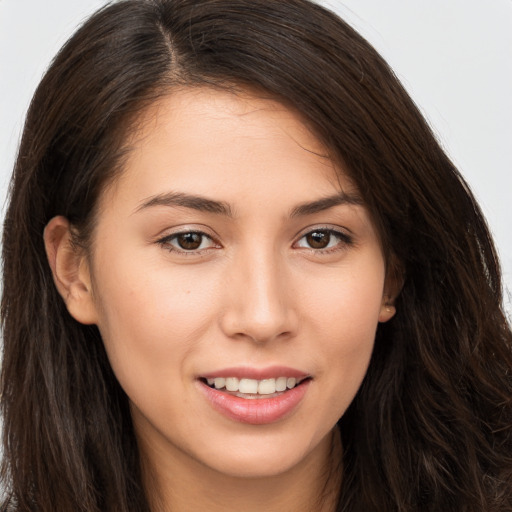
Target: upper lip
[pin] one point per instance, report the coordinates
(246, 372)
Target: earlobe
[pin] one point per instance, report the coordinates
(393, 286)
(387, 311)
(70, 270)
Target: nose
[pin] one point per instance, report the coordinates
(259, 303)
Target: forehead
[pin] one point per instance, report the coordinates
(211, 141)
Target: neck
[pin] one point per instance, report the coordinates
(183, 485)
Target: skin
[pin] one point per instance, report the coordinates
(253, 294)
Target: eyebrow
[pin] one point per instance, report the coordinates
(179, 199)
(325, 203)
(203, 204)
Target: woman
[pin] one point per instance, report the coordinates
(240, 274)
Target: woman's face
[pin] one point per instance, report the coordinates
(230, 260)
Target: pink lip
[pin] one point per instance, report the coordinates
(245, 372)
(257, 411)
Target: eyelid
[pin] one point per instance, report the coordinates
(344, 234)
(186, 228)
(334, 228)
(164, 240)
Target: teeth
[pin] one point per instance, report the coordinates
(253, 386)
(248, 386)
(267, 386)
(219, 382)
(232, 384)
(290, 383)
(281, 383)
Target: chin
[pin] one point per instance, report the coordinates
(256, 465)
(264, 455)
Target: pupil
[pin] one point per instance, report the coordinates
(318, 239)
(189, 241)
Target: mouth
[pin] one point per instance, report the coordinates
(255, 396)
(251, 389)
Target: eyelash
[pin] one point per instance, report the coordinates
(167, 243)
(344, 240)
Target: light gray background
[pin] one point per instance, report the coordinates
(454, 57)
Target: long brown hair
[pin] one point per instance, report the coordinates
(431, 427)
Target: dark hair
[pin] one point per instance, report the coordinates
(431, 427)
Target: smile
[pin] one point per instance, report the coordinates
(255, 397)
(253, 388)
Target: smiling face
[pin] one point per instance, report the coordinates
(237, 282)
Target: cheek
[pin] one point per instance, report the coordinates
(344, 317)
(151, 320)
(349, 300)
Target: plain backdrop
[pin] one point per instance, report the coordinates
(453, 56)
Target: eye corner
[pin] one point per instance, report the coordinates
(324, 239)
(188, 242)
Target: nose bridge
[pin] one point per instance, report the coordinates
(259, 303)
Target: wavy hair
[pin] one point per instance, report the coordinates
(431, 427)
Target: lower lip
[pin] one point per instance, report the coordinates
(257, 411)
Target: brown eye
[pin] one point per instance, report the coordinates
(318, 239)
(189, 241)
(324, 240)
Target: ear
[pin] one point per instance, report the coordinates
(392, 288)
(387, 310)
(70, 270)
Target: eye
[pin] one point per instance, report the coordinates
(188, 241)
(322, 239)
